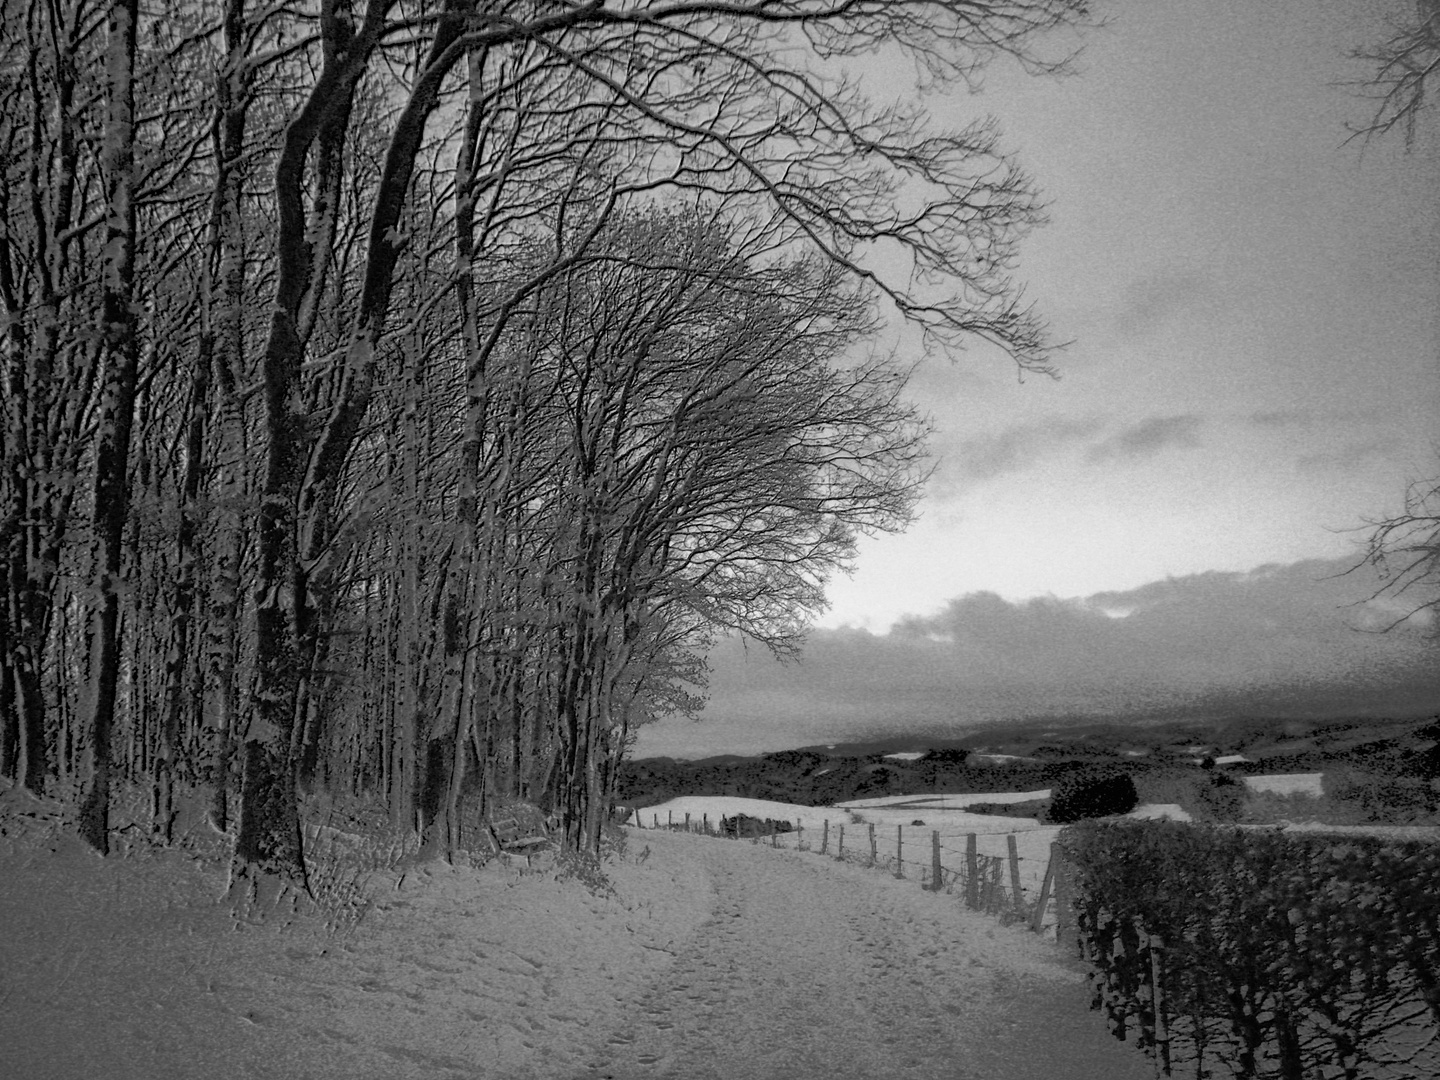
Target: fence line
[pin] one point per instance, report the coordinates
(980, 880)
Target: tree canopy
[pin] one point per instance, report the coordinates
(399, 394)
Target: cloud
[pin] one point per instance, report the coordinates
(1348, 458)
(1150, 303)
(969, 461)
(1277, 641)
(1148, 438)
(965, 462)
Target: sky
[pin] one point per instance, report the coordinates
(1253, 310)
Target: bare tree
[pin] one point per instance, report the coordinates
(714, 457)
(323, 316)
(48, 193)
(1405, 548)
(1404, 68)
(691, 96)
(119, 373)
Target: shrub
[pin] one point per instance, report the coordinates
(1221, 796)
(1427, 764)
(743, 825)
(1380, 797)
(1270, 808)
(1033, 808)
(947, 756)
(1091, 793)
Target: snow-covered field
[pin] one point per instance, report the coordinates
(1286, 783)
(701, 960)
(902, 823)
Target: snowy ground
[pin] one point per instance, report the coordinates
(1286, 783)
(705, 959)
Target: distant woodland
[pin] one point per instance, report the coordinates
(399, 394)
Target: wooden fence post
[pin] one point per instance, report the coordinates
(872, 844)
(687, 821)
(825, 837)
(972, 873)
(670, 819)
(899, 850)
(705, 824)
(937, 872)
(1038, 919)
(840, 844)
(1017, 899)
(1065, 930)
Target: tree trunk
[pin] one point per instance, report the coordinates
(232, 99)
(269, 837)
(121, 358)
(179, 664)
(14, 489)
(408, 665)
(28, 525)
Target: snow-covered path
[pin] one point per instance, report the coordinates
(706, 959)
(810, 969)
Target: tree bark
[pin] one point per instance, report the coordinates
(179, 663)
(232, 100)
(121, 360)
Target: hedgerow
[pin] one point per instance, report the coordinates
(1287, 955)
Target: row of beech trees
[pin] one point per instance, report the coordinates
(399, 395)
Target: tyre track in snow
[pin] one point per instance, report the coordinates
(810, 969)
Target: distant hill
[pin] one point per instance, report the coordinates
(1029, 755)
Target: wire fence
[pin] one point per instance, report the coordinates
(1028, 883)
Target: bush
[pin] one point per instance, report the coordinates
(1427, 763)
(947, 756)
(1380, 797)
(1221, 796)
(1091, 793)
(1033, 808)
(1271, 808)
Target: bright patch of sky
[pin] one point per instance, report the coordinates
(1252, 306)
